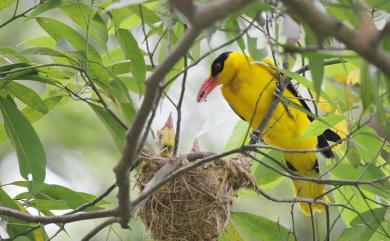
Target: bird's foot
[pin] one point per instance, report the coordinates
(256, 137)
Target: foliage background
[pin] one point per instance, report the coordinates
(83, 143)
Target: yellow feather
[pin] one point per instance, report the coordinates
(249, 89)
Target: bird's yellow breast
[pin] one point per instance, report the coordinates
(250, 93)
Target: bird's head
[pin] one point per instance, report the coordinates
(165, 138)
(223, 70)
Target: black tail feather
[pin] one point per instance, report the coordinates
(322, 143)
(331, 135)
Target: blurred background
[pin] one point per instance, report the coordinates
(81, 153)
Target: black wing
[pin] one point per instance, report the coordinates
(327, 135)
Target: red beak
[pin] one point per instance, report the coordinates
(169, 123)
(206, 88)
(195, 146)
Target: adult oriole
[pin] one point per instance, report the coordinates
(249, 89)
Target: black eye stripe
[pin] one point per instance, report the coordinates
(218, 63)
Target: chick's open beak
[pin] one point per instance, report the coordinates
(207, 87)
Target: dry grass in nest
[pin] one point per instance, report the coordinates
(194, 206)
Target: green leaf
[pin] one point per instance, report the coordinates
(132, 51)
(79, 13)
(41, 79)
(43, 7)
(15, 75)
(45, 205)
(22, 238)
(239, 135)
(195, 50)
(233, 28)
(130, 22)
(253, 8)
(379, 236)
(114, 56)
(15, 226)
(265, 176)
(59, 30)
(316, 64)
(29, 149)
(230, 234)
(318, 126)
(353, 155)
(368, 143)
(6, 3)
(364, 226)
(13, 66)
(128, 110)
(367, 86)
(120, 68)
(310, 37)
(149, 16)
(27, 96)
(255, 52)
(43, 51)
(13, 54)
(343, 12)
(32, 115)
(301, 79)
(120, 15)
(249, 227)
(133, 85)
(60, 197)
(41, 41)
(115, 129)
(350, 196)
(368, 172)
(18, 74)
(381, 4)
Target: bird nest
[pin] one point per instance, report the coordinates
(196, 205)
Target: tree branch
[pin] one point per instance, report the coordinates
(96, 200)
(203, 17)
(363, 40)
(57, 219)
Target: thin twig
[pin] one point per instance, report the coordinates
(312, 222)
(95, 201)
(14, 17)
(146, 36)
(293, 221)
(16, 8)
(208, 53)
(98, 228)
(178, 108)
(57, 232)
(327, 237)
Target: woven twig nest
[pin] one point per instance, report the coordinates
(194, 206)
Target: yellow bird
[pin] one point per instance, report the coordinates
(249, 87)
(165, 138)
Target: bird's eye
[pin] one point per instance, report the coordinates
(217, 66)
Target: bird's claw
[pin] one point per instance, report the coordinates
(256, 137)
